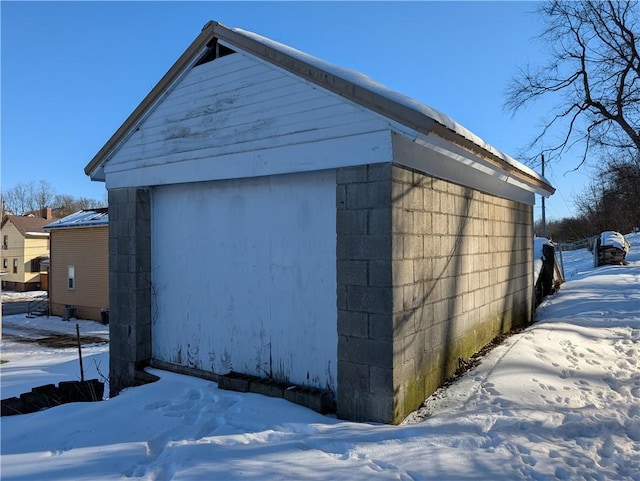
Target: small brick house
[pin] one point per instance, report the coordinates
(276, 215)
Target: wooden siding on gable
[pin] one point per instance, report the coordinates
(88, 250)
(237, 104)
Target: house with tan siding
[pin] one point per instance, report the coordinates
(24, 247)
(79, 265)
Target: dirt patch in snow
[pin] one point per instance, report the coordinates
(55, 340)
(465, 365)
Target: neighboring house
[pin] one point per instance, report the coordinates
(25, 247)
(275, 215)
(79, 265)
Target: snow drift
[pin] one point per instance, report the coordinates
(560, 401)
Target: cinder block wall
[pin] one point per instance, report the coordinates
(462, 274)
(129, 285)
(427, 272)
(365, 303)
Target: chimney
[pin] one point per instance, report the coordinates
(46, 213)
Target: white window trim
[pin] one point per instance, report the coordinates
(71, 277)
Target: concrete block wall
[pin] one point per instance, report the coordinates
(427, 272)
(365, 304)
(462, 274)
(129, 285)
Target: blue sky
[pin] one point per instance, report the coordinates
(73, 71)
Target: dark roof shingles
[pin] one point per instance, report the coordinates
(26, 224)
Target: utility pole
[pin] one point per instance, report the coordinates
(544, 216)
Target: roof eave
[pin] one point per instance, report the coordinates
(374, 101)
(539, 184)
(214, 30)
(394, 110)
(191, 54)
(370, 99)
(77, 226)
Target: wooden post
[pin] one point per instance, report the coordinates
(80, 352)
(544, 213)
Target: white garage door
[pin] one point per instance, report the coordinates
(244, 276)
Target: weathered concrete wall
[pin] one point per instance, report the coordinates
(462, 274)
(129, 285)
(428, 272)
(365, 304)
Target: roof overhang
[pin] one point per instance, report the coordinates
(346, 83)
(81, 219)
(78, 226)
(199, 47)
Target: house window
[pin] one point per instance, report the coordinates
(35, 265)
(5, 242)
(5, 263)
(71, 277)
(15, 266)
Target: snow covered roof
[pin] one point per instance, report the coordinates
(82, 218)
(418, 117)
(614, 239)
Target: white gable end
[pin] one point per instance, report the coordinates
(239, 117)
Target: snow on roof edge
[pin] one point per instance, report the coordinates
(367, 83)
(82, 218)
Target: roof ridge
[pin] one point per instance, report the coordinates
(347, 83)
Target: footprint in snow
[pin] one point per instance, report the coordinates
(554, 454)
(565, 373)
(547, 387)
(607, 449)
(563, 473)
(155, 405)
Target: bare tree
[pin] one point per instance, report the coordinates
(20, 198)
(593, 71)
(622, 180)
(568, 229)
(65, 204)
(612, 200)
(34, 196)
(42, 194)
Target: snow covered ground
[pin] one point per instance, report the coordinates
(12, 296)
(561, 400)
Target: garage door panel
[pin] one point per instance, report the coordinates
(244, 276)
